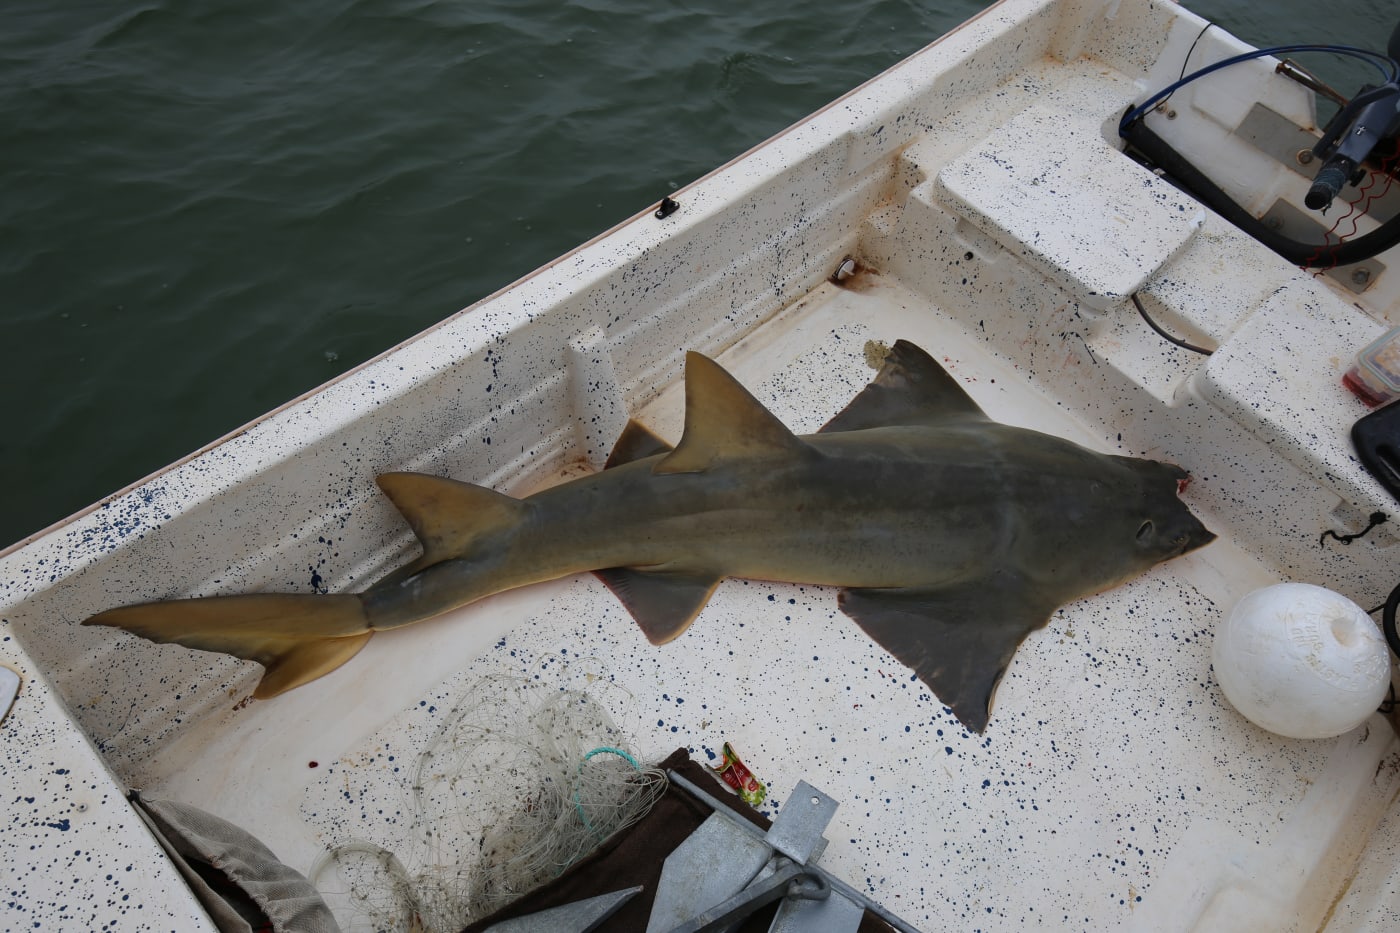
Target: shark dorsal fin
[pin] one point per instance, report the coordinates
(448, 516)
(636, 442)
(724, 422)
(910, 389)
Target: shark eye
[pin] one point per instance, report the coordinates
(1145, 530)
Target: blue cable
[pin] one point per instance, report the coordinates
(1374, 58)
(601, 750)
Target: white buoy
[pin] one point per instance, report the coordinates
(1301, 661)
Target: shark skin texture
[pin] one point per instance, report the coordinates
(950, 536)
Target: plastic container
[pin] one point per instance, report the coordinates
(1376, 376)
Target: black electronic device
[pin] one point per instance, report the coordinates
(1377, 440)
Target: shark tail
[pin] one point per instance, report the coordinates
(298, 638)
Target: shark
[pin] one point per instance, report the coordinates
(950, 536)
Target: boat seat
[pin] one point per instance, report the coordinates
(1071, 205)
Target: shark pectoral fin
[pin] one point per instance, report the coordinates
(958, 640)
(910, 389)
(296, 637)
(723, 421)
(663, 602)
(448, 516)
(636, 442)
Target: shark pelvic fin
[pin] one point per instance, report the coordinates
(910, 389)
(958, 639)
(663, 602)
(723, 421)
(297, 637)
(448, 516)
(636, 442)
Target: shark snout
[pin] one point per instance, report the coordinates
(1197, 537)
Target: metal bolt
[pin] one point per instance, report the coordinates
(1305, 156)
(1360, 276)
(1273, 223)
(845, 270)
(1171, 114)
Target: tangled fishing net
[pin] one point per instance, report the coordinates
(519, 782)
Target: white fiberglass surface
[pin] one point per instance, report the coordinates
(1108, 749)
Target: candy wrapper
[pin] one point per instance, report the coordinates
(737, 775)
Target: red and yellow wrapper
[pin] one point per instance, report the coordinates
(737, 775)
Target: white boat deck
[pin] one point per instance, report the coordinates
(996, 225)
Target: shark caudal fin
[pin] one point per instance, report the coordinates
(296, 637)
(301, 637)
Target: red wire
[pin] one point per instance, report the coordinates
(1388, 169)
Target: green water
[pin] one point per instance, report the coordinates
(207, 208)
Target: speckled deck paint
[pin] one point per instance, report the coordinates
(1114, 787)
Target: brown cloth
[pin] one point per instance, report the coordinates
(634, 856)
